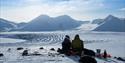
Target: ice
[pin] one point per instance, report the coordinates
(10, 40)
(113, 42)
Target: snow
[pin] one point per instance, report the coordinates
(88, 26)
(10, 40)
(113, 42)
(113, 48)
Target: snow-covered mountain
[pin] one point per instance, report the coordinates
(22, 24)
(98, 21)
(46, 23)
(112, 23)
(64, 22)
(6, 25)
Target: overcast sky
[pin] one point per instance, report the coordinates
(26, 10)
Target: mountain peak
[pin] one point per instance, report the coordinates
(112, 23)
(109, 17)
(43, 16)
(46, 23)
(64, 16)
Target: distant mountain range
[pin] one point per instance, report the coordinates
(6, 25)
(111, 23)
(46, 23)
(64, 22)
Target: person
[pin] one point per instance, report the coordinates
(66, 45)
(77, 45)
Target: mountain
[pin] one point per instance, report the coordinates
(46, 23)
(22, 24)
(6, 25)
(112, 23)
(98, 21)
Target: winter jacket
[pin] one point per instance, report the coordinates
(77, 44)
(66, 44)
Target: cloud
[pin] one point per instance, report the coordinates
(79, 9)
(74, 8)
(122, 9)
(30, 12)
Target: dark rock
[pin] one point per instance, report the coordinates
(52, 49)
(9, 49)
(87, 59)
(25, 53)
(59, 50)
(41, 48)
(20, 48)
(1, 54)
(35, 54)
(121, 59)
(89, 52)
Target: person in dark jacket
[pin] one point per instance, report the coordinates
(77, 45)
(66, 45)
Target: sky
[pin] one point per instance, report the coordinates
(26, 10)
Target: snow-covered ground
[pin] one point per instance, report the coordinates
(10, 40)
(113, 42)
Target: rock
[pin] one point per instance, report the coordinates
(41, 48)
(1, 54)
(9, 49)
(25, 53)
(89, 52)
(59, 50)
(52, 49)
(87, 59)
(121, 59)
(20, 48)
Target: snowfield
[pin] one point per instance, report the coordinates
(113, 42)
(10, 40)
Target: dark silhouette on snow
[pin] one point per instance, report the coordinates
(87, 59)
(52, 49)
(105, 54)
(25, 53)
(9, 49)
(1, 54)
(20, 48)
(41, 48)
(88, 52)
(120, 58)
(66, 45)
(98, 53)
(77, 45)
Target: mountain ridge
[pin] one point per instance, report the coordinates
(112, 23)
(46, 23)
